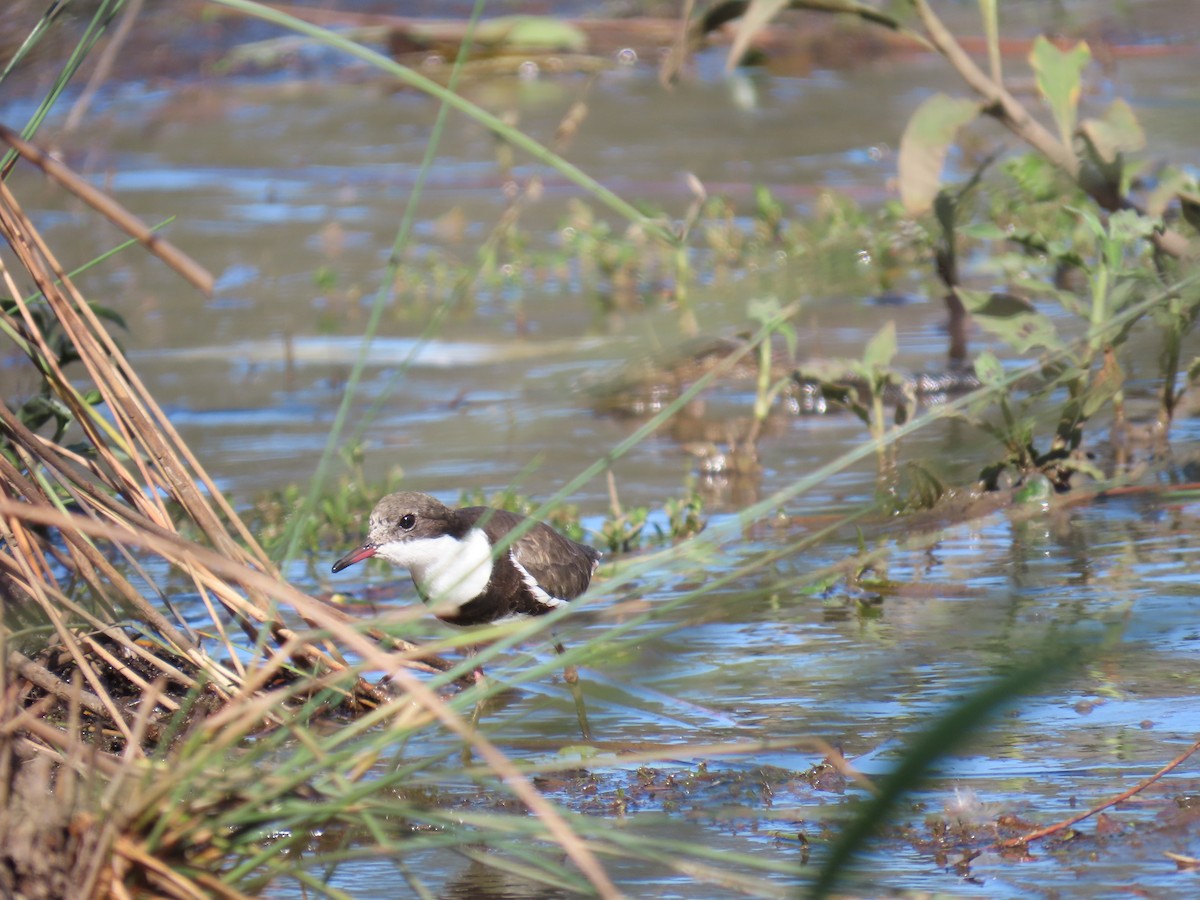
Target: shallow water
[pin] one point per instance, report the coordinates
(272, 183)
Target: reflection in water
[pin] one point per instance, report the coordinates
(479, 881)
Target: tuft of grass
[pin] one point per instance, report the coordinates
(279, 515)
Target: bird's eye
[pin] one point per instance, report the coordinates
(408, 521)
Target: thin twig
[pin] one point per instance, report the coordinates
(104, 65)
(52, 684)
(190, 270)
(1016, 118)
(1120, 798)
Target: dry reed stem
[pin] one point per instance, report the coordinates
(217, 572)
(184, 265)
(52, 684)
(1040, 833)
(67, 638)
(87, 555)
(177, 550)
(132, 419)
(164, 465)
(51, 598)
(139, 439)
(104, 65)
(61, 746)
(138, 419)
(144, 433)
(161, 875)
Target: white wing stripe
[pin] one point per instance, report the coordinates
(539, 593)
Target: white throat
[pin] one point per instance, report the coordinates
(448, 572)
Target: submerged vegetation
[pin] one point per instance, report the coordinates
(203, 728)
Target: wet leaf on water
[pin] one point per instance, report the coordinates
(923, 146)
(1012, 319)
(1108, 382)
(881, 348)
(841, 395)
(541, 33)
(1117, 131)
(988, 369)
(1169, 184)
(1058, 74)
(1189, 203)
(1107, 825)
(580, 751)
(1036, 489)
(1193, 369)
(763, 309)
(926, 488)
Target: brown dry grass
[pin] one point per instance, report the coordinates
(88, 702)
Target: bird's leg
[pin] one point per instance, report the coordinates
(470, 651)
(571, 677)
(480, 682)
(477, 712)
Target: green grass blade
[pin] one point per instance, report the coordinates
(937, 741)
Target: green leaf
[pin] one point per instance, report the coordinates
(923, 146)
(984, 231)
(1068, 300)
(578, 751)
(1117, 131)
(1012, 319)
(109, 315)
(1090, 219)
(988, 369)
(1193, 370)
(545, 34)
(1107, 383)
(881, 348)
(789, 337)
(1127, 226)
(1189, 204)
(1170, 183)
(1036, 490)
(763, 309)
(1058, 74)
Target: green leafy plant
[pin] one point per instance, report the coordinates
(46, 406)
(340, 520)
(1089, 372)
(768, 314)
(685, 515)
(622, 531)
